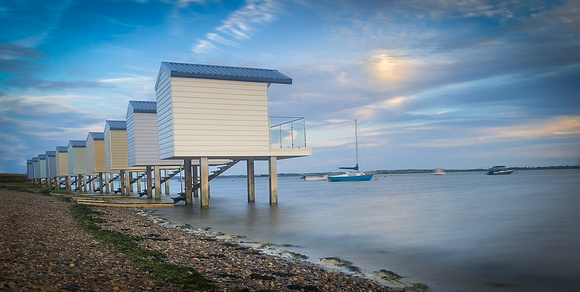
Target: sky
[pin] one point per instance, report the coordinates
(454, 84)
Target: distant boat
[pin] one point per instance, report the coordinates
(354, 175)
(439, 171)
(500, 169)
(314, 177)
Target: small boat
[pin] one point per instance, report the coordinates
(314, 177)
(500, 169)
(354, 175)
(439, 171)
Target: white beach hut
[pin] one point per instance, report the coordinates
(42, 163)
(36, 167)
(217, 112)
(29, 169)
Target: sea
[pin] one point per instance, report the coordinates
(464, 231)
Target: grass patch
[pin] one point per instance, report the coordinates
(148, 260)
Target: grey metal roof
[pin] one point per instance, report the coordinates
(117, 125)
(63, 149)
(35, 159)
(78, 143)
(97, 135)
(223, 73)
(143, 106)
(41, 156)
(29, 161)
(51, 153)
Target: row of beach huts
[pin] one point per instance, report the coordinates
(204, 116)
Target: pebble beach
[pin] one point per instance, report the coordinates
(41, 248)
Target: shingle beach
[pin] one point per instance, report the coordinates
(41, 248)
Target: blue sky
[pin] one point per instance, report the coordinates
(450, 84)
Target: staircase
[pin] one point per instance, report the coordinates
(138, 178)
(174, 173)
(90, 180)
(113, 179)
(216, 173)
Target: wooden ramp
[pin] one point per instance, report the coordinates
(110, 203)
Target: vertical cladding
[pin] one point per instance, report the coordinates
(164, 116)
(51, 164)
(29, 169)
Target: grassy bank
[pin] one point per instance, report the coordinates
(148, 260)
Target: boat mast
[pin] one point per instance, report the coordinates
(356, 141)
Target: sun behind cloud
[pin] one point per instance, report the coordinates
(389, 69)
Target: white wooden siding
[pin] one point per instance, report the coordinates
(51, 166)
(219, 118)
(42, 162)
(143, 141)
(36, 169)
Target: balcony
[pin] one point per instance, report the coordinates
(287, 132)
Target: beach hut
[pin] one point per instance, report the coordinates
(42, 164)
(51, 166)
(62, 165)
(143, 142)
(29, 169)
(36, 167)
(77, 160)
(219, 112)
(116, 154)
(96, 164)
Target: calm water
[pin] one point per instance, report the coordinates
(461, 232)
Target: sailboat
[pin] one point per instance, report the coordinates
(353, 175)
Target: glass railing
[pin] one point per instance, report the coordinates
(287, 132)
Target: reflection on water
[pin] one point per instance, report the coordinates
(459, 232)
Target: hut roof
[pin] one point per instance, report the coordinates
(223, 73)
(78, 143)
(143, 106)
(116, 125)
(62, 149)
(97, 135)
(51, 153)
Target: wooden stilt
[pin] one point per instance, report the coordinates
(251, 181)
(188, 184)
(204, 181)
(273, 174)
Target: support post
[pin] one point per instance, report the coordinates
(67, 183)
(167, 182)
(204, 181)
(85, 183)
(195, 181)
(251, 181)
(157, 182)
(100, 182)
(122, 182)
(273, 174)
(128, 182)
(188, 185)
(149, 181)
(105, 183)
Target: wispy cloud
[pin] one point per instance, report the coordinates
(239, 26)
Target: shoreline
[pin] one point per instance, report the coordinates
(41, 241)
